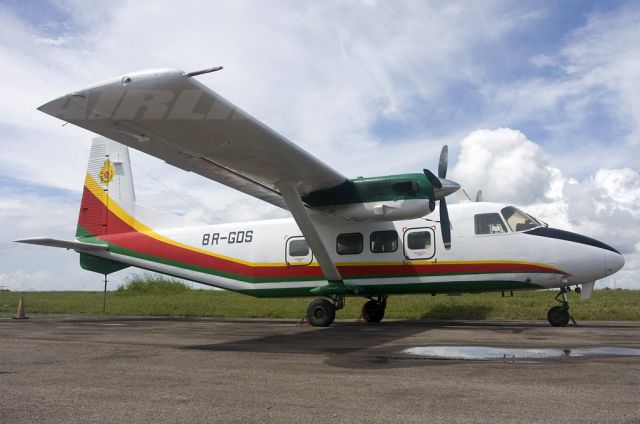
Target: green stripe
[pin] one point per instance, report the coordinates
(425, 288)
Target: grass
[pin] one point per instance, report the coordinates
(146, 284)
(167, 297)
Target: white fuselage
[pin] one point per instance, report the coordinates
(257, 258)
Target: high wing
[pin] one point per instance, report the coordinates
(168, 114)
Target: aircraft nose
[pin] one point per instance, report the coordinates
(613, 262)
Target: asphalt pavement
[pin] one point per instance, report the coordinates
(77, 369)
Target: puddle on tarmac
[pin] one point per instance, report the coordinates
(483, 353)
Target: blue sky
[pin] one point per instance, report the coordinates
(359, 84)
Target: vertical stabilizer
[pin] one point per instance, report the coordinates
(108, 181)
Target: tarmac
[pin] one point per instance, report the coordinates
(78, 369)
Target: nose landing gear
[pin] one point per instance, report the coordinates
(558, 316)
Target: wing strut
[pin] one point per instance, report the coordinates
(299, 211)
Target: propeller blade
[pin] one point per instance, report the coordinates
(445, 224)
(479, 196)
(435, 181)
(441, 189)
(444, 161)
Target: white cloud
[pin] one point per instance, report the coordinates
(24, 214)
(56, 41)
(605, 206)
(510, 168)
(320, 73)
(323, 74)
(26, 267)
(588, 96)
(504, 164)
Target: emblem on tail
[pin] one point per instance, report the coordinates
(107, 172)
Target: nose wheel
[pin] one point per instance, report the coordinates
(558, 316)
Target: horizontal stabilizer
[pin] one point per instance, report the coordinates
(65, 244)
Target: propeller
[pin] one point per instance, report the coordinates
(441, 189)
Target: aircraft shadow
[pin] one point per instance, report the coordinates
(351, 344)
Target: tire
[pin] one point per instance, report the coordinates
(321, 313)
(558, 316)
(373, 311)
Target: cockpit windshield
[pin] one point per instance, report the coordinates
(518, 220)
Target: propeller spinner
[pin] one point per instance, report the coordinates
(441, 189)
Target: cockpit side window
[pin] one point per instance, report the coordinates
(518, 220)
(489, 223)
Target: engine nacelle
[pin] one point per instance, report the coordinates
(387, 198)
(381, 211)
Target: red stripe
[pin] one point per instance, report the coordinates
(128, 238)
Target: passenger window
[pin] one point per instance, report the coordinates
(419, 240)
(298, 248)
(349, 243)
(297, 252)
(489, 223)
(384, 241)
(419, 243)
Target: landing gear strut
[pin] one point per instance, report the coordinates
(322, 312)
(558, 316)
(373, 310)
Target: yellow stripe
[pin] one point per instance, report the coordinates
(112, 206)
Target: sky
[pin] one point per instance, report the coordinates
(538, 101)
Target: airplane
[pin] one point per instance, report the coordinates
(348, 237)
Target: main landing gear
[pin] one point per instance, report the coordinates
(373, 309)
(322, 312)
(558, 316)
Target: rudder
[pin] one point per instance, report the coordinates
(108, 179)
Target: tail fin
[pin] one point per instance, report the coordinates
(108, 180)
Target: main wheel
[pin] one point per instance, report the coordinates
(321, 313)
(558, 316)
(373, 311)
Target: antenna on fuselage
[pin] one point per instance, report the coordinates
(202, 71)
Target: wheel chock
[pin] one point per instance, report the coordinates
(302, 321)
